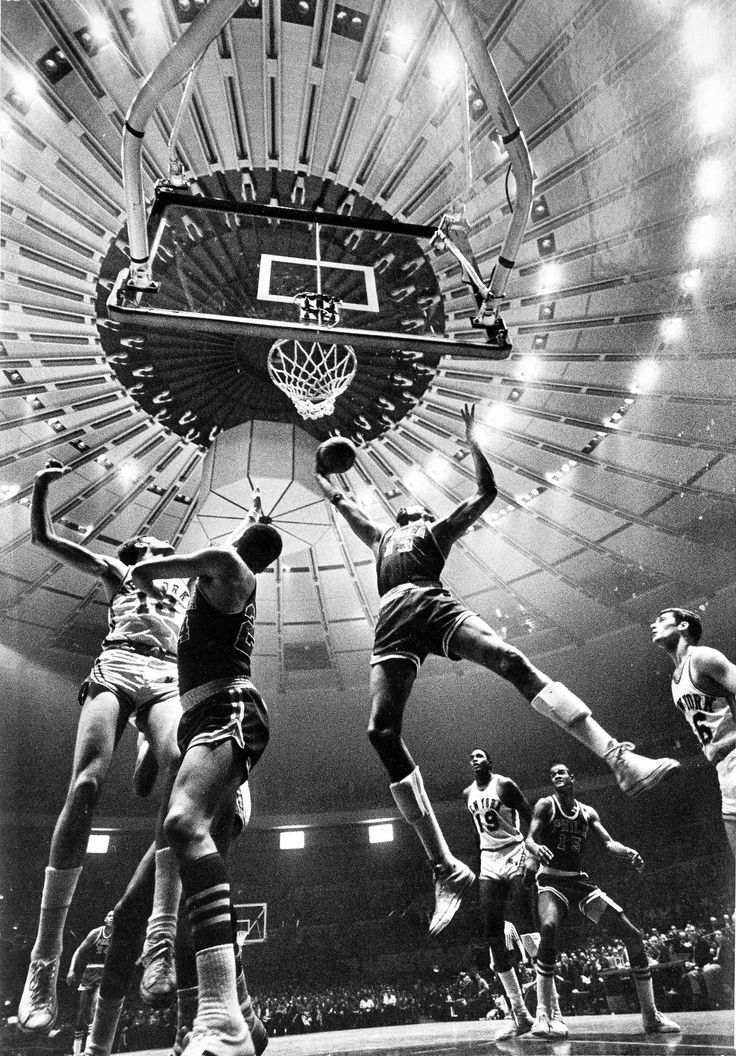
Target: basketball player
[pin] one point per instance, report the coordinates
(496, 803)
(704, 690)
(134, 678)
(417, 616)
(222, 734)
(557, 839)
(130, 921)
(86, 970)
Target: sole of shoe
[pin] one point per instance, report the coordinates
(437, 926)
(157, 1001)
(39, 1031)
(666, 769)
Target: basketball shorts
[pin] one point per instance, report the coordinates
(137, 679)
(225, 710)
(414, 621)
(726, 770)
(504, 864)
(577, 889)
(91, 977)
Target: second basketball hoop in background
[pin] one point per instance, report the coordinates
(336, 455)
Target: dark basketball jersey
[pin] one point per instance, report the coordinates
(93, 951)
(408, 554)
(214, 645)
(565, 835)
(135, 619)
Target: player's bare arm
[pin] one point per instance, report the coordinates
(225, 578)
(712, 671)
(613, 847)
(542, 814)
(511, 796)
(448, 530)
(107, 569)
(366, 530)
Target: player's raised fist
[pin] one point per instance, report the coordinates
(51, 470)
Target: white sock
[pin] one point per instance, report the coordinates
(413, 802)
(58, 891)
(513, 990)
(166, 895)
(218, 1007)
(645, 993)
(545, 990)
(102, 1032)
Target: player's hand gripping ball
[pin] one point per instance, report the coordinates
(335, 455)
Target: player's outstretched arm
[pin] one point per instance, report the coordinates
(542, 814)
(366, 530)
(448, 530)
(614, 848)
(80, 958)
(43, 534)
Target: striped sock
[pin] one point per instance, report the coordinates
(545, 987)
(645, 990)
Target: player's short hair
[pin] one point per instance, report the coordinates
(693, 621)
(259, 545)
(485, 751)
(412, 513)
(560, 762)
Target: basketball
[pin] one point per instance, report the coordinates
(335, 455)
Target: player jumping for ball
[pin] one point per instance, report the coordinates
(418, 616)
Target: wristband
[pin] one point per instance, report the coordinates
(336, 498)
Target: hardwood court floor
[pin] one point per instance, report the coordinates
(703, 1034)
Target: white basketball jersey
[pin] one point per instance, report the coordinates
(497, 825)
(711, 718)
(136, 619)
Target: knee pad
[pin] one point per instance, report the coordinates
(556, 702)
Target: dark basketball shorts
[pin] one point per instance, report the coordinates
(138, 680)
(577, 889)
(225, 710)
(91, 977)
(414, 621)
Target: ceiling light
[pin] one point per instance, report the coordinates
(399, 41)
(98, 843)
(437, 468)
(700, 35)
(550, 277)
(690, 280)
(443, 68)
(711, 104)
(7, 491)
(546, 245)
(703, 235)
(671, 329)
(25, 85)
(496, 415)
(292, 840)
(129, 472)
(646, 375)
(540, 341)
(616, 416)
(710, 182)
(540, 209)
(530, 366)
(380, 833)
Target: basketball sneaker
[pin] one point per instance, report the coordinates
(158, 982)
(635, 773)
(540, 1026)
(557, 1026)
(451, 881)
(521, 1024)
(38, 1006)
(656, 1023)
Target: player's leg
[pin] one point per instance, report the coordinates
(208, 777)
(129, 926)
(158, 981)
(475, 640)
(552, 912)
(101, 723)
(81, 1024)
(615, 922)
(390, 686)
(493, 896)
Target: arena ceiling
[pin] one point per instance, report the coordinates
(610, 426)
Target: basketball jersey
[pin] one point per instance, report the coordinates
(711, 718)
(215, 645)
(135, 619)
(95, 949)
(565, 835)
(497, 824)
(408, 554)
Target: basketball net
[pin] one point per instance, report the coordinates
(311, 374)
